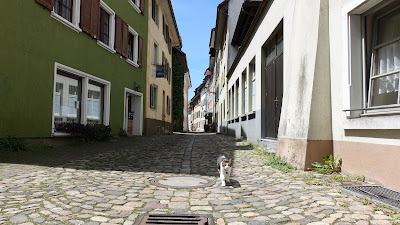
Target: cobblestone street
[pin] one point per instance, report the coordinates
(111, 183)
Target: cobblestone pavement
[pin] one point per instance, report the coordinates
(110, 183)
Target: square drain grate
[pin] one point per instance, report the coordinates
(378, 193)
(174, 219)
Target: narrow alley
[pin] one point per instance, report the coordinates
(116, 181)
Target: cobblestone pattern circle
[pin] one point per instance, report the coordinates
(183, 182)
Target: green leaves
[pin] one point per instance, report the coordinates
(332, 165)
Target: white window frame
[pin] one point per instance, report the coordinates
(110, 46)
(253, 88)
(85, 83)
(353, 71)
(135, 48)
(76, 16)
(135, 4)
(153, 92)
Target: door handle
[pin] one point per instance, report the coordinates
(276, 102)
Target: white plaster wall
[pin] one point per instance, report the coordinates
(282, 10)
(340, 86)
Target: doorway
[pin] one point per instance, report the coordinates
(273, 84)
(133, 113)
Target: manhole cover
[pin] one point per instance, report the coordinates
(183, 182)
(380, 194)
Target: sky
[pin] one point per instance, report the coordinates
(195, 19)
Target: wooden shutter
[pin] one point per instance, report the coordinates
(125, 39)
(118, 34)
(121, 36)
(90, 17)
(142, 6)
(49, 4)
(140, 55)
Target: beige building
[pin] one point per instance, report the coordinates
(163, 35)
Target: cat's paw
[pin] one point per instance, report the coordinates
(223, 184)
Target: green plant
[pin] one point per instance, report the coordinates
(367, 201)
(122, 133)
(88, 132)
(178, 76)
(332, 165)
(277, 163)
(12, 144)
(340, 178)
(344, 204)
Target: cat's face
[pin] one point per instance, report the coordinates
(226, 164)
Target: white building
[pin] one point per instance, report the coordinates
(314, 78)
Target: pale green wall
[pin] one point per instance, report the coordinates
(32, 41)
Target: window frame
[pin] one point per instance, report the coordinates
(373, 76)
(168, 105)
(354, 72)
(85, 78)
(153, 96)
(135, 4)
(111, 28)
(135, 35)
(155, 12)
(76, 16)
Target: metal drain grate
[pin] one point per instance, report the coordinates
(174, 219)
(378, 193)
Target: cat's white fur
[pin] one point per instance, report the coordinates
(225, 171)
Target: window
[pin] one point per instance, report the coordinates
(168, 106)
(244, 92)
(68, 13)
(64, 9)
(154, 11)
(107, 27)
(69, 101)
(95, 103)
(104, 27)
(253, 86)
(373, 79)
(153, 96)
(385, 66)
(133, 50)
(237, 98)
(136, 5)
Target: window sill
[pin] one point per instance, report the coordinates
(65, 22)
(61, 134)
(376, 121)
(132, 63)
(381, 113)
(135, 6)
(106, 46)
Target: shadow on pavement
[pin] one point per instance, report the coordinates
(158, 154)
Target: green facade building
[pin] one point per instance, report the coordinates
(65, 61)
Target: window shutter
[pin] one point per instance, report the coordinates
(46, 3)
(118, 34)
(90, 17)
(142, 6)
(140, 55)
(125, 39)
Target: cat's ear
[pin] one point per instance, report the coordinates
(230, 162)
